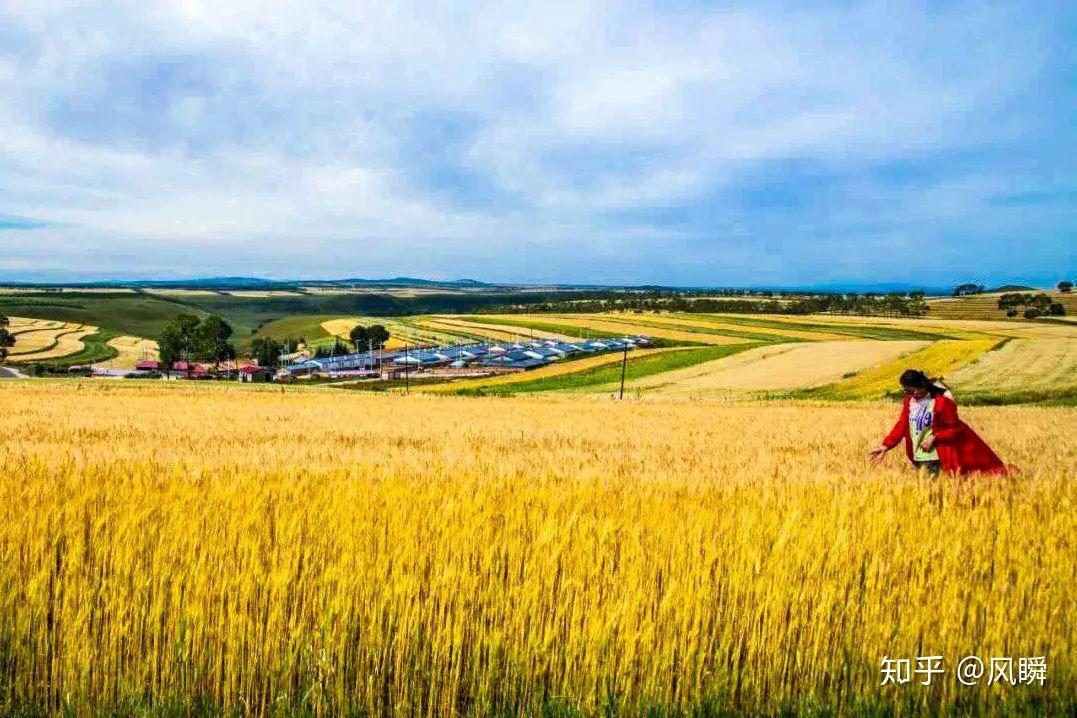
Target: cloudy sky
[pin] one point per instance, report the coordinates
(754, 143)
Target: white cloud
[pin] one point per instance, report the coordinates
(465, 131)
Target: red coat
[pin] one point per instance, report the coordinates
(960, 449)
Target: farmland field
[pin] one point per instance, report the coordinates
(784, 366)
(532, 555)
(985, 306)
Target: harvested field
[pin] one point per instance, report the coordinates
(1048, 366)
(941, 358)
(785, 366)
(62, 342)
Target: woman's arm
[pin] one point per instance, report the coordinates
(898, 432)
(894, 437)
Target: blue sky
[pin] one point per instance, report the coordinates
(755, 143)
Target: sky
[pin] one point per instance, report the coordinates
(681, 143)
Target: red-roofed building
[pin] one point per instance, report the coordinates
(255, 374)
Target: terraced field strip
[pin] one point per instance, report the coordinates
(780, 333)
(1044, 367)
(19, 325)
(67, 341)
(129, 351)
(706, 325)
(550, 326)
(417, 329)
(621, 327)
(95, 348)
(502, 332)
(985, 306)
(928, 328)
(941, 358)
(784, 366)
(604, 378)
(464, 330)
(559, 368)
(36, 340)
(858, 329)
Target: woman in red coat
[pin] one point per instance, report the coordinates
(935, 438)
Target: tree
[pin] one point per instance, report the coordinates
(1057, 309)
(178, 341)
(211, 340)
(266, 351)
(1065, 287)
(359, 337)
(7, 339)
(377, 335)
(962, 290)
(372, 337)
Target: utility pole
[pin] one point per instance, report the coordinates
(407, 389)
(624, 365)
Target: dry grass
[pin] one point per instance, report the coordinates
(430, 556)
(782, 366)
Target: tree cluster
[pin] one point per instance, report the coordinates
(1034, 305)
(336, 349)
(187, 338)
(1065, 287)
(964, 290)
(7, 339)
(899, 304)
(368, 338)
(267, 351)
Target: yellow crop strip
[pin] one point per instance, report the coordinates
(940, 358)
(181, 545)
(623, 325)
(45, 344)
(714, 321)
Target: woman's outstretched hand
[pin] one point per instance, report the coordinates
(876, 455)
(927, 443)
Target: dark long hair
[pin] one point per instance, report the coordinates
(916, 379)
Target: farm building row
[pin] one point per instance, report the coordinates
(486, 358)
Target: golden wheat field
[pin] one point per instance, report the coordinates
(182, 548)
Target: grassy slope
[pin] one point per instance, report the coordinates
(307, 327)
(596, 377)
(138, 315)
(551, 326)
